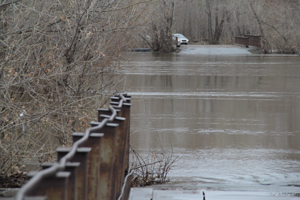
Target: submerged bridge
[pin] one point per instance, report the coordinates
(95, 167)
(249, 40)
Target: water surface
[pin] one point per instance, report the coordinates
(233, 120)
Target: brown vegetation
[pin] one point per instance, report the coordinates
(151, 168)
(59, 60)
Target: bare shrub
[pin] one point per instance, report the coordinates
(151, 168)
(59, 61)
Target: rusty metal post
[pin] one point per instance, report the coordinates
(117, 99)
(80, 156)
(254, 40)
(103, 111)
(72, 168)
(54, 187)
(107, 157)
(114, 99)
(125, 112)
(120, 144)
(94, 141)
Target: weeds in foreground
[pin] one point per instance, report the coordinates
(152, 168)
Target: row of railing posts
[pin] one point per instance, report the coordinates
(99, 165)
(249, 40)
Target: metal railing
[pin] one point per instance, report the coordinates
(254, 40)
(249, 40)
(96, 164)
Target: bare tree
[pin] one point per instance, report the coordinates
(59, 61)
(220, 21)
(215, 34)
(161, 26)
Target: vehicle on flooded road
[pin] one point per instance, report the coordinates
(181, 38)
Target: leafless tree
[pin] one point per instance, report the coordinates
(161, 24)
(59, 61)
(220, 21)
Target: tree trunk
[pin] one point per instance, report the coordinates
(218, 28)
(209, 24)
(265, 44)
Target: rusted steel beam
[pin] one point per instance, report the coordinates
(72, 168)
(110, 153)
(105, 112)
(120, 144)
(54, 187)
(107, 158)
(117, 99)
(81, 156)
(249, 40)
(242, 40)
(93, 168)
(125, 112)
(254, 40)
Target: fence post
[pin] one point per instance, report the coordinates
(125, 112)
(117, 99)
(107, 157)
(96, 170)
(119, 151)
(72, 168)
(102, 111)
(80, 156)
(93, 169)
(54, 187)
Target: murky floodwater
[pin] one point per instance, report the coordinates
(233, 120)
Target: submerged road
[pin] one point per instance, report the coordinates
(232, 117)
(214, 50)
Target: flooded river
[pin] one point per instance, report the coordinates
(234, 120)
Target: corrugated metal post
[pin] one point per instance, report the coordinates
(72, 168)
(54, 187)
(107, 153)
(119, 151)
(80, 156)
(93, 168)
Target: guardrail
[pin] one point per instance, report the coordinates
(249, 40)
(95, 167)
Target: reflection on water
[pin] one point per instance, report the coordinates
(234, 120)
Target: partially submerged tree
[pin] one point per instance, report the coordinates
(160, 26)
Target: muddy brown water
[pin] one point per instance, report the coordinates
(234, 120)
